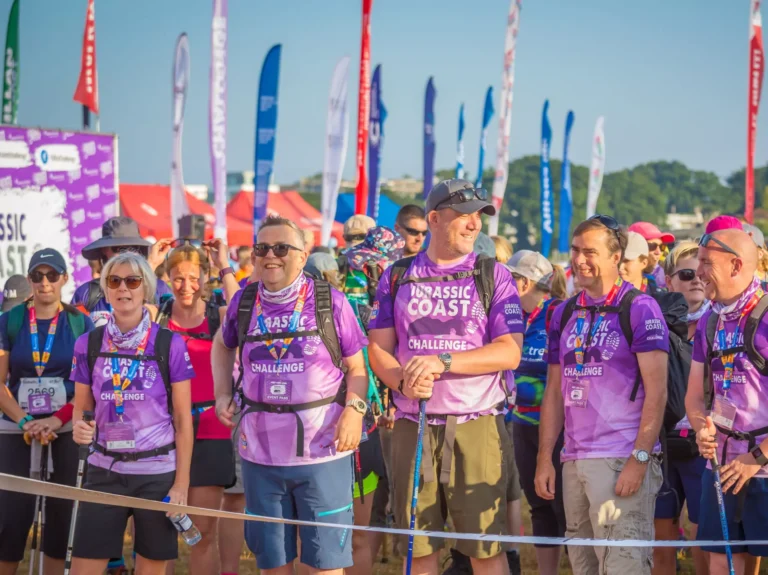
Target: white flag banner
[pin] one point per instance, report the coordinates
(597, 169)
(336, 139)
(179, 205)
(505, 115)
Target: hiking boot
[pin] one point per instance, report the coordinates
(460, 564)
(513, 559)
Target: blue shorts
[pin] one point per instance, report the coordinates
(683, 485)
(316, 492)
(754, 516)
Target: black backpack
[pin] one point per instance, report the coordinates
(94, 295)
(212, 315)
(675, 309)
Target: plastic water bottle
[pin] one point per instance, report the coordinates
(184, 525)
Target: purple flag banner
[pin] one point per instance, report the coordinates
(217, 115)
(56, 190)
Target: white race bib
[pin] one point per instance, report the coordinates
(51, 386)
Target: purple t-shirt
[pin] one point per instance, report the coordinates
(306, 373)
(749, 389)
(660, 276)
(447, 317)
(600, 419)
(145, 401)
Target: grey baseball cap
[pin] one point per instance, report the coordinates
(320, 262)
(447, 194)
(756, 234)
(15, 291)
(531, 265)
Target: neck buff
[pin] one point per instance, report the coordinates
(285, 295)
(132, 338)
(733, 311)
(696, 316)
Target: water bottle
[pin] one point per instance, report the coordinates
(184, 525)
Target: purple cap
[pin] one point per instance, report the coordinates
(723, 223)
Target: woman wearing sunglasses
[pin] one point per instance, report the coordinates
(196, 313)
(685, 464)
(37, 341)
(136, 377)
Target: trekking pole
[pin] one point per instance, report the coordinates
(83, 457)
(36, 524)
(723, 520)
(416, 477)
(46, 451)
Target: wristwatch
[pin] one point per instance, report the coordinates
(225, 271)
(358, 405)
(641, 455)
(445, 359)
(759, 456)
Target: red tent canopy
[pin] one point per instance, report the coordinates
(150, 206)
(289, 204)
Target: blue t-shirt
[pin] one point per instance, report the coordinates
(81, 296)
(60, 362)
(531, 374)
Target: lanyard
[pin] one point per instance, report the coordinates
(644, 287)
(722, 339)
(582, 316)
(535, 313)
(293, 324)
(41, 363)
(134, 367)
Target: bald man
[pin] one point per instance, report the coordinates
(732, 416)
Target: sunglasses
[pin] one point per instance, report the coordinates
(131, 282)
(687, 275)
(653, 246)
(413, 232)
(354, 238)
(706, 238)
(280, 250)
(612, 224)
(37, 277)
(463, 196)
(177, 243)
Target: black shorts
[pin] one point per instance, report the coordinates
(213, 463)
(100, 528)
(371, 456)
(17, 509)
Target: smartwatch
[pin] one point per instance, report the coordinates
(225, 271)
(759, 456)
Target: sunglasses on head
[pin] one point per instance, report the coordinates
(280, 250)
(706, 238)
(131, 282)
(37, 276)
(685, 275)
(612, 224)
(177, 243)
(413, 232)
(463, 196)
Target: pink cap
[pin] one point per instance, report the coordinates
(651, 232)
(723, 223)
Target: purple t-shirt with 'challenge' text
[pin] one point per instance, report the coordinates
(436, 317)
(306, 373)
(600, 419)
(145, 401)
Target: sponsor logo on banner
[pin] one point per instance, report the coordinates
(74, 175)
(95, 234)
(80, 240)
(76, 197)
(6, 183)
(40, 178)
(89, 149)
(14, 154)
(56, 177)
(94, 215)
(57, 157)
(109, 211)
(105, 168)
(33, 136)
(90, 173)
(92, 192)
(77, 217)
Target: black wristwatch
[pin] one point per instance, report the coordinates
(759, 456)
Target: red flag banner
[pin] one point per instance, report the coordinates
(363, 111)
(756, 68)
(87, 91)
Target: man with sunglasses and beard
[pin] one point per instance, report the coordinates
(434, 336)
(656, 240)
(412, 225)
(610, 394)
(727, 390)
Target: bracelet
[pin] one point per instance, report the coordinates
(23, 421)
(65, 414)
(225, 271)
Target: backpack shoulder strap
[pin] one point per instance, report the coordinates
(324, 318)
(15, 321)
(399, 269)
(485, 280)
(550, 312)
(709, 332)
(245, 311)
(95, 338)
(570, 306)
(625, 314)
(750, 328)
(212, 312)
(76, 320)
(164, 313)
(163, 359)
(94, 294)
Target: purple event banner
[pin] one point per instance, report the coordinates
(56, 190)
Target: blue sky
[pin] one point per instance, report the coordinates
(670, 77)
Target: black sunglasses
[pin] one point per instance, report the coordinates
(354, 238)
(280, 250)
(706, 238)
(131, 282)
(413, 232)
(612, 224)
(463, 196)
(37, 276)
(686, 274)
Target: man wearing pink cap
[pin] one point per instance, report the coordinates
(655, 238)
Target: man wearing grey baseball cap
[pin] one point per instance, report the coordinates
(451, 315)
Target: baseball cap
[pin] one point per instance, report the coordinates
(15, 291)
(320, 262)
(358, 225)
(723, 223)
(48, 257)
(637, 246)
(651, 232)
(116, 232)
(756, 234)
(531, 265)
(460, 195)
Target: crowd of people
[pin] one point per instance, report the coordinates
(287, 380)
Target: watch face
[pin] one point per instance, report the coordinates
(642, 456)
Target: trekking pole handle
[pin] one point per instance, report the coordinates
(85, 449)
(88, 416)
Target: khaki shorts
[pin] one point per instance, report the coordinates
(514, 492)
(592, 510)
(476, 495)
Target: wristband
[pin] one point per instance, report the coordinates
(759, 456)
(65, 414)
(23, 421)
(225, 271)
